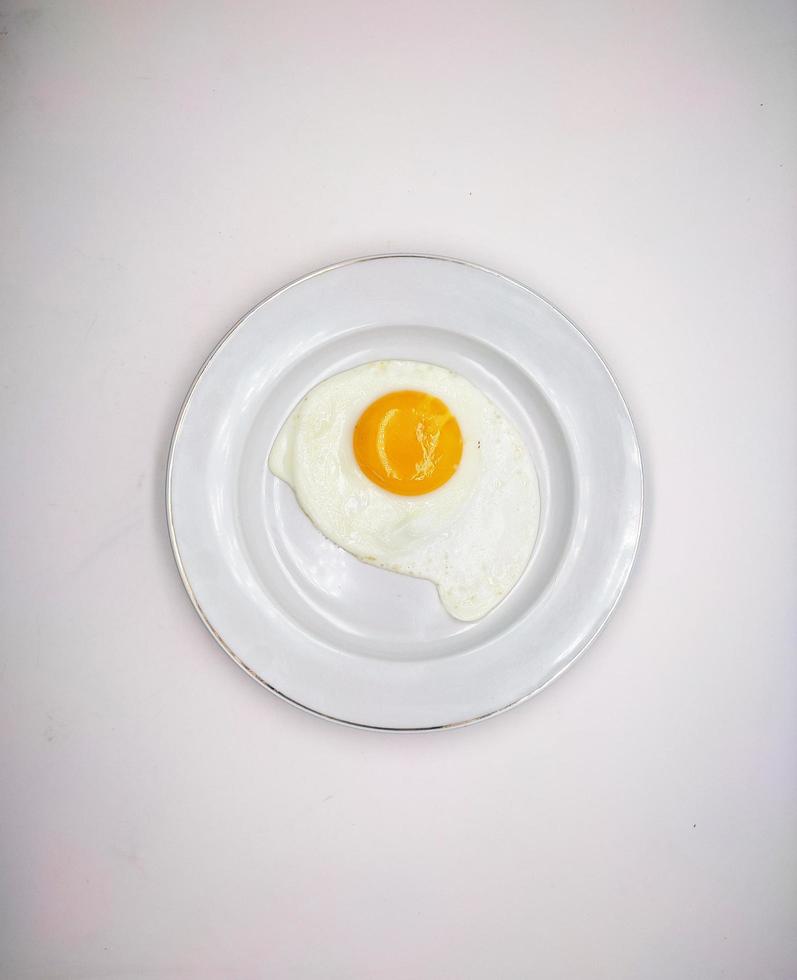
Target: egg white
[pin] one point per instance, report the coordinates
(472, 537)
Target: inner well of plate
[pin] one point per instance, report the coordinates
(354, 607)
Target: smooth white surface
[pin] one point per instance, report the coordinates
(289, 607)
(165, 166)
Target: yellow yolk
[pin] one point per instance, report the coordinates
(408, 442)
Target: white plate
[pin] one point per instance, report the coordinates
(350, 641)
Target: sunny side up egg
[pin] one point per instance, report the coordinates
(410, 467)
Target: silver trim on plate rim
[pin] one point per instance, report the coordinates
(176, 551)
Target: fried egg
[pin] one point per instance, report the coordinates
(408, 466)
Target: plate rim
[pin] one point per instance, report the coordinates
(184, 576)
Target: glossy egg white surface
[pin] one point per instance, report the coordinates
(472, 537)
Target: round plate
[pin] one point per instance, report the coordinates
(347, 640)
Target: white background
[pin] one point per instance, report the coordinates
(166, 165)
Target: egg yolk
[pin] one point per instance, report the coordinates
(408, 442)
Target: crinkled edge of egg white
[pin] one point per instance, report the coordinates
(472, 537)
